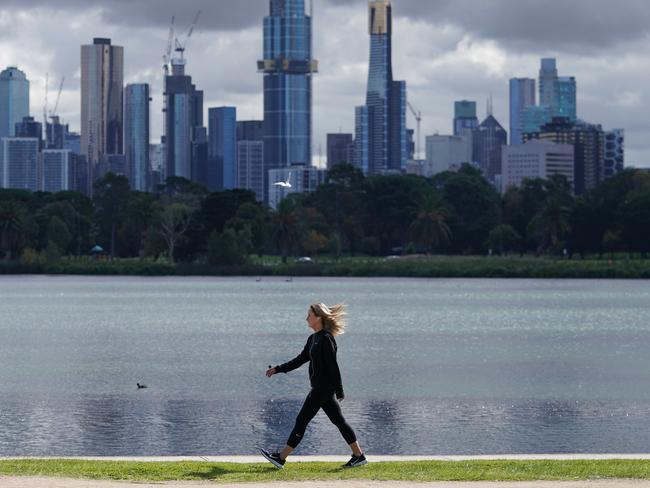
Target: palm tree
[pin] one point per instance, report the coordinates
(430, 228)
(11, 227)
(285, 227)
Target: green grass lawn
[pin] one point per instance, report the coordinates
(395, 471)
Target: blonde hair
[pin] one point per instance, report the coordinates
(333, 317)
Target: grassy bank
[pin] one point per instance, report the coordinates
(394, 471)
(408, 266)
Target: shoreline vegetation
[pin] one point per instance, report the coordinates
(420, 471)
(414, 266)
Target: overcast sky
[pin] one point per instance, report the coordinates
(446, 50)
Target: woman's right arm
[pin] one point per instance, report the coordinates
(296, 362)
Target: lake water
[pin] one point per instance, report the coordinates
(429, 366)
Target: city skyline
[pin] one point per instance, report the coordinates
(462, 58)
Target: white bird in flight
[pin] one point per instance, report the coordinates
(285, 184)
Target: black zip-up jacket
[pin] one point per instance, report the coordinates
(324, 372)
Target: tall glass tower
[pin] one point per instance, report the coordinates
(102, 92)
(287, 68)
(136, 135)
(522, 95)
(385, 99)
(14, 100)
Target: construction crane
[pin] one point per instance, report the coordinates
(418, 118)
(167, 57)
(180, 47)
(58, 98)
(47, 83)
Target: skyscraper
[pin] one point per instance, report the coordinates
(522, 95)
(222, 148)
(20, 163)
(338, 149)
(567, 106)
(464, 116)
(250, 157)
(57, 174)
(614, 159)
(588, 141)
(14, 100)
(183, 122)
(136, 135)
(382, 126)
(102, 121)
(487, 141)
(548, 87)
(288, 69)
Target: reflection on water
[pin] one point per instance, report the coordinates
(429, 366)
(113, 426)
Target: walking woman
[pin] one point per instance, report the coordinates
(325, 378)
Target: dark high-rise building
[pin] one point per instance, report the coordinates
(614, 159)
(381, 127)
(588, 141)
(102, 81)
(28, 127)
(55, 133)
(464, 117)
(136, 135)
(250, 130)
(183, 120)
(222, 148)
(487, 140)
(338, 149)
(288, 69)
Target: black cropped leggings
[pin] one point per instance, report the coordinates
(316, 400)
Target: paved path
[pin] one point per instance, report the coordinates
(65, 483)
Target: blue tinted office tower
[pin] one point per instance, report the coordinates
(567, 105)
(183, 114)
(464, 116)
(361, 138)
(72, 142)
(57, 170)
(14, 100)
(548, 86)
(384, 121)
(222, 152)
(20, 163)
(288, 69)
(522, 95)
(136, 135)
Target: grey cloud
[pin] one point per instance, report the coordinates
(215, 14)
(534, 25)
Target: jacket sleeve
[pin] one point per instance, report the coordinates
(296, 362)
(332, 367)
